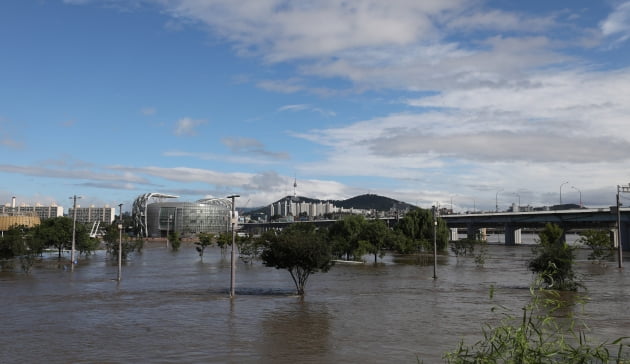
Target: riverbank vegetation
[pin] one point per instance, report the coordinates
(26, 244)
(543, 333)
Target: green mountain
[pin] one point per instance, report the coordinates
(366, 202)
(371, 202)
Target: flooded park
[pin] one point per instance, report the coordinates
(174, 307)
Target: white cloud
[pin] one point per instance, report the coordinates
(147, 111)
(306, 107)
(187, 126)
(618, 22)
(252, 146)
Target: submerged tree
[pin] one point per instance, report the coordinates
(375, 238)
(57, 232)
(345, 235)
(18, 241)
(300, 249)
(554, 259)
(205, 240)
(600, 243)
(112, 240)
(417, 227)
(175, 239)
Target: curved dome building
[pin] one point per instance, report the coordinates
(157, 219)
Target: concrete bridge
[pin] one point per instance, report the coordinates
(569, 220)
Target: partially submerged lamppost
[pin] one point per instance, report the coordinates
(620, 189)
(74, 229)
(168, 227)
(234, 220)
(120, 229)
(435, 222)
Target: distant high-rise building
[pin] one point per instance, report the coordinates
(93, 214)
(43, 212)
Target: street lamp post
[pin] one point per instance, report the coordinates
(519, 201)
(233, 254)
(168, 227)
(435, 214)
(496, 200)
(564, 183)
(620, 189)
(580, 192)
(120, 229)
(74, 229)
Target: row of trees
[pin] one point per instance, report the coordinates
(302, 249)
(54, 233)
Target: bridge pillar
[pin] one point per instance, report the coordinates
(512, 235)
(454, 234)
(625, 236)
(473, 233)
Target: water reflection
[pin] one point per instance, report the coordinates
(174, 307)
(310, 339)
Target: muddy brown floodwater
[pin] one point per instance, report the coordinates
(174, 308)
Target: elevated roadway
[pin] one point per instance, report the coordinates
(569, 220)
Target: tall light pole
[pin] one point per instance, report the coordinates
(496, 200)
(74, 229)
(234, 219)
(120, 229)
(168, 226)
(564, 183)
(580, 192)
(435, 222)
(519, 201)
(620, 189)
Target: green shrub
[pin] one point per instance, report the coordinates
(539, 336)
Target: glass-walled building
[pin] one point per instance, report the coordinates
(186, 218)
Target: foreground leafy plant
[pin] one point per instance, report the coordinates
(539, 336)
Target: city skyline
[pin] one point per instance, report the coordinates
(476, 104)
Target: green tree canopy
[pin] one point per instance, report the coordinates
(417, 227)
(600, 243)
(300, 249)
(345, 235)
(375, 238)
(55, 232)
(18, 241)
(205, 240)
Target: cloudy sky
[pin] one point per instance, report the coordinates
(462, 102)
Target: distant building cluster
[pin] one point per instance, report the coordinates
(292, 208)
(43, 212)
(22, 214)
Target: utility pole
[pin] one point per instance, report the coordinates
(120, 229)
(620, 189)
(234, 219)
(435, 222)
(74, 230)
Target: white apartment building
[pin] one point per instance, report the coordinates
(92, 214)
(43, 212)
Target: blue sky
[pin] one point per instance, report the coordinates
(451, 101)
